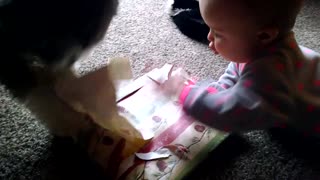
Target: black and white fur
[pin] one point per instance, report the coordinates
(40, 40)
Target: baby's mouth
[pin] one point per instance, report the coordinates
(211, 46)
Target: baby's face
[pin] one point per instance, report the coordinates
(233, 34)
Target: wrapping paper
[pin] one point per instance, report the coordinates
(136, 128)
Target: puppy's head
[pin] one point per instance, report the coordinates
(40, 37)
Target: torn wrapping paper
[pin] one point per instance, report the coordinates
(94, 94)
(185, 139)
(168, 143)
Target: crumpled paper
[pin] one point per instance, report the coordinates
(94, 94)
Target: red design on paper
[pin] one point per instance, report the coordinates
(169, 135)
(199, 128)
(161, 165)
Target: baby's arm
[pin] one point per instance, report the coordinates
(258, 100)
(229, 78)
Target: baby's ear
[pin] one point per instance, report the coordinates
(267, 35)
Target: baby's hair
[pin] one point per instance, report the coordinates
(277, 13)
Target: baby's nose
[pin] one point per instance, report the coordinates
(210, 36)
(211, 44)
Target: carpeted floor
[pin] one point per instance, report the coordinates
(144, 32)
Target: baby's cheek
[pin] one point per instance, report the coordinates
(218, 44)
(224, 49)
(240, 52)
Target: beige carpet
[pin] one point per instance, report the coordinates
(143, 32)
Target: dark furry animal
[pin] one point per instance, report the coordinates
(39, 42)
(47, 36)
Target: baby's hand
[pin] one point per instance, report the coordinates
(176, 82)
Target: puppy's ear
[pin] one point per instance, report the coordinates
(267, 35)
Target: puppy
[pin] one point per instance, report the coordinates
(39, 42)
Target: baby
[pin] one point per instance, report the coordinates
(270, 81)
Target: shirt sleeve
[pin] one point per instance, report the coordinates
(229, 78)
(257, 99)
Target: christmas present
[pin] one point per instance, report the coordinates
(147, 135)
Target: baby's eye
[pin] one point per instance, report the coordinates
(216, 35)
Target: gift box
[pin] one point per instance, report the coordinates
(150, 136)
